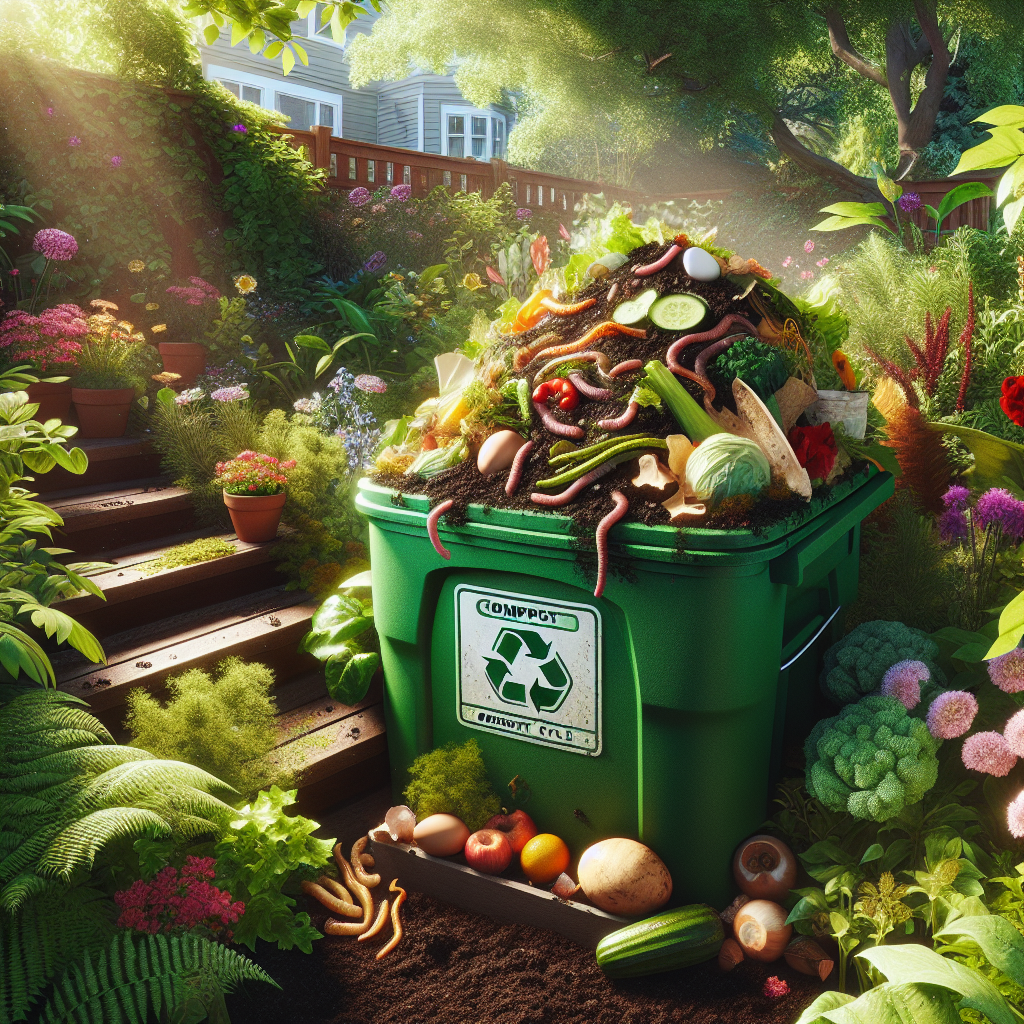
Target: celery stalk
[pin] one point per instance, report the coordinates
(696, 423)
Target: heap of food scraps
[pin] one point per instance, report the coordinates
(675, 387)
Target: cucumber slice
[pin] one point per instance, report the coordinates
(633, 310)
(678, 312)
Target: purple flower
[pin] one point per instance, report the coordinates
(115, 161)
(55, 244)
(400, 193)
(15, 272)
(1015, 817)
(376, 262)
(74, 141)
(999, 508)
(953, 525)
(367, 382)
(1013, 733)
(359, 196)
(909, 201)
(240, 128)
(951, 714)
(988, 752)
(903, 681)
(523, 214)
(956, 497)
(232, 394)
(1007, 671)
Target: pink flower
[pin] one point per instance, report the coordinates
(1013, 733)
(903, 681)
(359, 196)
(1007, 671)
(951, 714)
(988, 752)
(823, 262)
(806, 275)
(378, 208)
(1015, 816)
(775, 988)
(367, 382)
(74, 141)
(808, 246)
(14, 272)
(786, 262)
(55, 244)
(400, 193)
(115, 161)
(564, 232)
(49, 111)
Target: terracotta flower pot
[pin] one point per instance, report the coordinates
(185, 358)
(103, 412)
(255, 517)
(54, 400)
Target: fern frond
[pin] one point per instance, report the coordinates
(38, 711)
(77, 845)
(21, 888)
(88, 760)
(41, 744)
(15, 806)
(149, 780)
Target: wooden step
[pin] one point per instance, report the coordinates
(111, 461)
(96, 522)
(266, 627)
(134, 598)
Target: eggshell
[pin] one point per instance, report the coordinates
(441, 835)
(701, 265)
(498, 451)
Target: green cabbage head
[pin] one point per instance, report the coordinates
(724, 466)
(871, 760)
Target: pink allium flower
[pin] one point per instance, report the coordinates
(55, 244)
(999, 508)
(808, 246)
(1015, 816)
(909, 201)
(806, 275)
(115, 161)
(823, 262)
(1007, 671)
(523, 213)
(903, 681)
(775, 988)
(359, 196)
(562, 230)
(956, 497)
(1013, 733)
(74, 141)
(787, 261)
(367, 382)
(240, 128)
(951, 714)
(400, 193)
(988, 752)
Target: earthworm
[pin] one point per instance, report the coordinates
(599, 331)
(599, 359)
(716, 332)
(581, 385)
(559, 309)
(715, 348)
(396, 920)
(601, 538)
(553, 426)
(612, 292)
(330, 901)
(361, 892)
(378, 922)
(367, 859)
(557, 500)
(518, 465)
(626, 366)
(660, 263)
(355, 859)
(527, 352)
(333, 927)
(334, 886)
(619, 422)
(432, 520)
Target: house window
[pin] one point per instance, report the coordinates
(479, 125)
(389, 172)
(249, 93)
(497, 137)
(371, 170)
(305, 113)
(406, 175)
(352, 168)
(323, 30)
(529, 193)
(446, 178)
(565, 203)
(456, 135)
(552, 197)
(462, 183)
(334, 165)
(540, 195)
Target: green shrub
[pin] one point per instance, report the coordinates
(452, 780)
(224, 723)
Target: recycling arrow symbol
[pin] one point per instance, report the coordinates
(551, 683)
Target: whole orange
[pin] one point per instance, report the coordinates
(544, 858)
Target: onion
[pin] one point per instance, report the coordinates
(761, 930)
(764, 868)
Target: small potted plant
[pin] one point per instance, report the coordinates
(109, 376)
(254, 494)
(197, 303)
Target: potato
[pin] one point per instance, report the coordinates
(624, 877)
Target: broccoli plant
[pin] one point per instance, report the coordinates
(872, 759)
(855, 666)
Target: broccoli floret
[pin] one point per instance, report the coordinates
(872, 759)
(855, 666)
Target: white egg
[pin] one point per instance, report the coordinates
(701, 265)
(498, 451)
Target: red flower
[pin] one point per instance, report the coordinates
(1012, 401)
(815, 449)
(775, 988)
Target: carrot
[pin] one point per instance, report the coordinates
(396, 921)
(601, 330)
(378, 924)
(357, 864)
(571, 309)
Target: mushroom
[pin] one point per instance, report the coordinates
(653, 480)
(772, 441)
(679, 510)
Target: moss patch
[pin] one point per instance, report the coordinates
(192, 553)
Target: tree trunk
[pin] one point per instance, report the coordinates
(863, 189)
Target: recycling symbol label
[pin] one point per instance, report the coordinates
(529, 668)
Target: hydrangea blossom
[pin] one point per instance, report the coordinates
(988, 752)
(951, 714)
(55, 244)
(1015, 816)
(903, 681)
(359, 196)
(235, 393)
(189, 396)
(367, 382)
(523, 213)
(808, 246)
(1007, 671)
(400, 193)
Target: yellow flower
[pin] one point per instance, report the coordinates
(885, 900)
(152, 305)
(103, 304)
(99, 319)
(245, 283)
(125, 326)
(136, 266)
(472, 282)
(166, 377)
(157, 328)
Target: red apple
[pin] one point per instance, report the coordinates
(518, 826)
(488, 851)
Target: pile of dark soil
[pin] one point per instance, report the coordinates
(453, 967)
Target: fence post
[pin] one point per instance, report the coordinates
(321, 146)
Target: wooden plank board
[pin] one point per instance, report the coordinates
(90, 511)
(325, 752)
(446, 879)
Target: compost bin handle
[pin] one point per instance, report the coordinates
(806, 647)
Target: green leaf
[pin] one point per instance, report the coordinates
(428, 275)
(971, 653)
(996, 461)
(138, 297)
(839, 223)
(815, 1013)
(1008, 116)
(257, 40)
(287, 60)
(238, 32)
(873, 852)
(311, 341)
(910, 964)
(1002, 148)
(211, 34)
(1010, 182)
(964, 193)
(1011, 214)
(166, 396)
(1001, 943)
(907, 1003)
(856, 209)
(349, 676)
(270, 53)
(301, 54)
(354, 314)
(1011, 628)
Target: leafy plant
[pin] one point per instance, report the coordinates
(309, 360)
(111, 363)
(222, 722)
(263, 851)
(1005, 145)
(452, 779)
(954, 199)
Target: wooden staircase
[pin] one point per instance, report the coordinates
(157, 624)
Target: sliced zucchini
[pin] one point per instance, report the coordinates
(679, 312)
(633, 310)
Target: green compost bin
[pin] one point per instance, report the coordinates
(657, 712)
